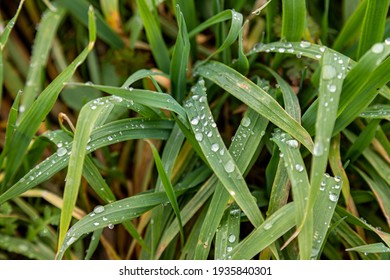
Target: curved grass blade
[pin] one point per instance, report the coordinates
(140, 74)
(300, 189)
(220, 160)
(371, 248)
(255, 97)
(42, 47)
(267, 233)
(154, 35)
(31, 121)
(168, 189)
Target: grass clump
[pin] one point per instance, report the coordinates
(235, 130)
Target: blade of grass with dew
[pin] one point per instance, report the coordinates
(379, 164)
(168, 189)
(371, 248)
(280, 189)
(37, 251)
(42, 46)
(323, 210)
(228, 233)
(267, 233)
(222, 163)
(252, 122)
(116, 213)
(373, 25)
(144, 97)
(363, 141)
(154, 35)
(31, 121)
(381, 191)
(256, 98)
(300, 189)
(3, 41)
(378, 111)
(293, 24)
(179, 62)
(140, 74)
(79, 8)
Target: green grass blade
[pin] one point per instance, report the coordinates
(154, 35)
(140, 74)
(31, 121)
(373, 25)
(79, 8)
(274, 227)
(179, 62)
(93, 244)
(220, 160)
(371, 248)
(300, 188)
(294, 19)
(254, 97)
(379, 111)
(168, 189)
(42, 47)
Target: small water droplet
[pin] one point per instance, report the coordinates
(229, 249)
(387, 41)
(305, 44)
(62, 151)
(232, 238)
(96, 224)
(98, 209)
(245, 122)
(333, 197)
(332, 88)
(267, 226)
(299, 168)
(215, 147)
(337, 179)
(322, 48)
(110, 226)
(377, 48)
(318, 149)
(292, 143)
(229, 166)
(328, 72)
(195, 121)
(109, 138)
(323, 184)
(281, 50)
(199, 136)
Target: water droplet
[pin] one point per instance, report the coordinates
(96, 224)
(333, 197)
(215, 147)
(328, 72)
(105, 219)
(93, 107)
(109, 138)
(232, 238)
(299, 168)
(281, 50)
(318, 149)
(209, 134)
(337, 179)
(377, 48)
(323, 184)
(98, 209)
(305, 44)
(232, 193)
(245, 122)
(221, 152)
(292, 143)
(387, 41)
(229, 166)
(195, 121)
(229, 249)
(299, 54)
(62, 151)
(332, 88)
(199, 136)
(322, 48)
(110, 226)
(337, 186)
(267, 226)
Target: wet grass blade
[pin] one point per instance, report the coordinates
(371, 248)
(256, 98)
(273, 227)
(379, 111)
(219, 158)
(31, 121)
(42, 47)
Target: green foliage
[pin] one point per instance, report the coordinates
(197, 137)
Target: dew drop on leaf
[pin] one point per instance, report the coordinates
(61, 151)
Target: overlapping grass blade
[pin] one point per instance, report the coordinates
(31, 121)
(373, 25)
(140, 74)
(371, 248)
(273, 227)
(154, 35)
(220, 160)
(42, 47)
(300, 188)
(78, 8)
(256, 98)
(379, 111)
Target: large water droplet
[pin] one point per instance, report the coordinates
(215, 147)
(305, 44)
(299, 168)
(232, 238)
(292, 143)
(199, 136)
(333, 197)
(377, 48)
(328, 72)
(110, 226)
(98, 209)
(195, 121)
(61, 151)
(245, 122)
(229, 166)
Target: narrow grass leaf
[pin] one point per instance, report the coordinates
(219, 158)
(262, 237)
(154, 35)
(373, 25)
(31, 121)
(256, 98)
(140, 74)
(300, 188)
(93, 244)
(168, 189)
(379, 111)
(41, 50)
(371, 248)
